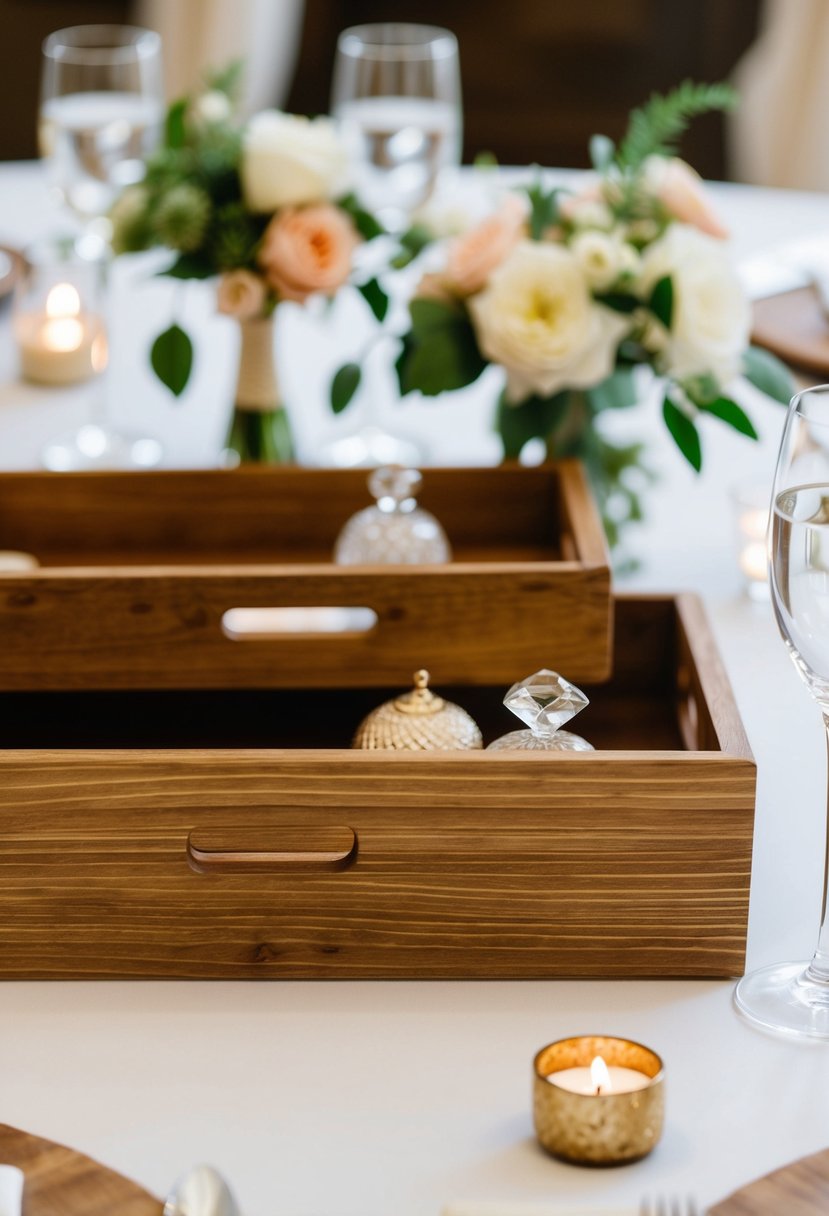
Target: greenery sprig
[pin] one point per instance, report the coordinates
(656, 127)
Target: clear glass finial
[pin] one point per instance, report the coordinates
(395, 530)
(544, 701)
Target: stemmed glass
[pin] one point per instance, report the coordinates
(396, 99)
(100, 115)
(793, 998)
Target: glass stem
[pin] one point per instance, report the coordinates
(819, 967)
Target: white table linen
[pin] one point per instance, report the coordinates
(395, 1099)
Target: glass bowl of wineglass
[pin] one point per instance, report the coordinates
(396, 100)
(793, 998)
(101, 113)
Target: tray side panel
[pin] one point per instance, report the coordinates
(163, 629)
(463, 868)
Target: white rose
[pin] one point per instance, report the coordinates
(600, 256)
(711, 315)
(537, 318)
(212, 107)
(288, 160)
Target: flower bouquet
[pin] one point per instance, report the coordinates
(570, 293)
(264, 207)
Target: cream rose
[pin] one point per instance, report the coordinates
(711, 315)
(474, 256)
(308, 249)
(682, 193)
(603, 257)
(288, 160)
(538, 319)
(241, 294)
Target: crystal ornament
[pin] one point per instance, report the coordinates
(395, 531)
(544, 701)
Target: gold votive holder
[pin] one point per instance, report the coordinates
(589, 1123)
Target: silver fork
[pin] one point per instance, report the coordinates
(664, 1205)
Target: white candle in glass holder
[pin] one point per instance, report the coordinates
(60, 344)
(599, 1079)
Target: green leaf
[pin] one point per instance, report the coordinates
(534, 418)
(617, 392)
(544, 210)
(172, 359)
(413, 241)
(174, 126)
(375, 297)
(661, 302)
(189, 266)
(766, 372)
(656, 127)
(446, 359)
(433, 314)
(485, 160)
(602, 152)
(618, 301)
(228, 80)
(684, 432)
(731, 413)
(365, 223)
(344, 386)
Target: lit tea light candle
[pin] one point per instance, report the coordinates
(599, 1079)
(62, 344)
(598, 1100)
(752, 520)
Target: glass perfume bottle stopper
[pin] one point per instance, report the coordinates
(395, 488)
(543, 701)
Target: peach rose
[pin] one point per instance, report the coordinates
(681, 191)
(473, 256)
(308, 249)
(241, 294)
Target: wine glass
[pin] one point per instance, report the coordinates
(793, 998)
(396, 98)
(101, 113)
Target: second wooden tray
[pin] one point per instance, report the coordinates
(140, 571)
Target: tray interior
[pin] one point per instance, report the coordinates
(637, 709)
(256, 516)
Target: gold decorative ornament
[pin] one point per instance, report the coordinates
(418, 721)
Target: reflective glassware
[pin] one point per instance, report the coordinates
(101, 113)
(544, 702)
(395, 530)
(793, 998)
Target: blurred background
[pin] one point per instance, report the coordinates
(535, 86)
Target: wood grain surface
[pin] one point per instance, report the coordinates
(794, 326)
(138, 571)
(466, 865)
(62, 1182)
(799, 1189)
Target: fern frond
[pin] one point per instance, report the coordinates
(656, 128)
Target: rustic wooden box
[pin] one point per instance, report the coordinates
(173, 856)
(139, 572)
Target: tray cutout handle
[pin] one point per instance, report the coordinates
(276, 850)
(271, 624)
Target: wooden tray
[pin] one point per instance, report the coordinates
(794, 327)
(799, 1189)
(61, 1182)
(196, 861)
(139, 571)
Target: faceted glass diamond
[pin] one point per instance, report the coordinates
(545, 701)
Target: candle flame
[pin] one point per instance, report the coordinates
(599, 1075)
(99, 355)
(63, 301)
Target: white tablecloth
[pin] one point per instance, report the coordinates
(381, 1099)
